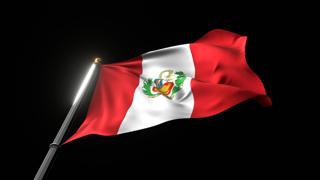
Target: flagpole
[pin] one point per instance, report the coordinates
(53, 147)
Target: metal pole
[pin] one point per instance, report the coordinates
(57, 141)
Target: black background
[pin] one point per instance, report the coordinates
(58, 43)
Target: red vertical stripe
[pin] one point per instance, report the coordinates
(222, 76)
(112, 98)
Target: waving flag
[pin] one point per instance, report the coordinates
(187, 81)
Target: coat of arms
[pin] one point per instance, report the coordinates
(168, 84)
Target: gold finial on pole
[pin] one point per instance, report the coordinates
(97, 60)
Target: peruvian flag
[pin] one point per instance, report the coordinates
(193, 80)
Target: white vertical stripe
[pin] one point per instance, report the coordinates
(145, 111)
